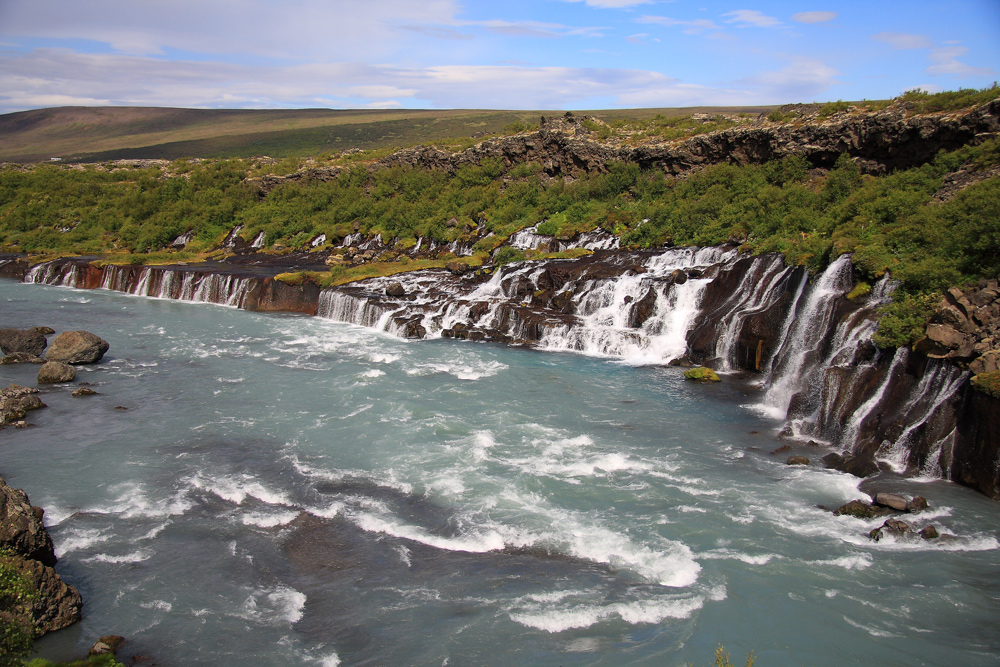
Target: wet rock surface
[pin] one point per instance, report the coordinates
(52, 372)
(16, 402)
(22, 341)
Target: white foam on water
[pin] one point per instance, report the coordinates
(749, 559)
(473, 370)
(237, 490)
(331, 660)
(54, 514)
(404, 555)
(268, 519)
(882, 634)
(278, 606)
(133, 557)
(373, 373)
(586, 615)
(159, 605)
(472, 542)
(853, 562)
(76, 539)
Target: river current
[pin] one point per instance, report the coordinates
(273, 490)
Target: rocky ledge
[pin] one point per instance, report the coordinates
(35, 599)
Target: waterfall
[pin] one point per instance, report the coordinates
(796, 365)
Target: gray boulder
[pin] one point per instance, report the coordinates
(77, 347)
(897, 503)
(27, 341)
(55, 371)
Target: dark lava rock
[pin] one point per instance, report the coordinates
(896, 527)
(21, 529)
(833, 461)
(45, 331)
(395, 290)
(55, 371)
(891, 500)
(84, 391)
(678, 277)
(929, 533)
(861, 510)
(22, 340)
(797, 461)
(781, 450)
(77, 347)
(916, 504)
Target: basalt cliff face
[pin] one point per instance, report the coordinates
(801, 340)
(878, 141)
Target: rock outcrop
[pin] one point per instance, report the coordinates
(77, 347)
(22, 341)
(16, 402)
(879, 141)
(27, 557)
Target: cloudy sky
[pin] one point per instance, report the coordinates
(507, 54)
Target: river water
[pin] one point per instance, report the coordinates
(289, 490)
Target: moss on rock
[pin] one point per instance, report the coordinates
(701, 374)
(988, 383)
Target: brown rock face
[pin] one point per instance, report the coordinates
(21, 529)
(25, 341)
(55, 371)
(77, 347)
(57, 605)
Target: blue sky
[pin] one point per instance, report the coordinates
(520, 54)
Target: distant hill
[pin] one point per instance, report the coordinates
(94, 134)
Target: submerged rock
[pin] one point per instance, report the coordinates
(84, 391)
(797, 461)
(55, 371)
(77, 347)
(916, 504)
(21, 358)
(861, 510)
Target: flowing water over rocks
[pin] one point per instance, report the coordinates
(806, 344)
(294, 490)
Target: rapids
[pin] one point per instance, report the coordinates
(282, 489)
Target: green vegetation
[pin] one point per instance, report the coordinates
(920, 101)
(722, 658)
(17, 629)
(988, 383)
(831, 108)
(131, 214)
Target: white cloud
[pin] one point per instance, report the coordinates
(48, 77)
(902, 40)
(613, 4)
(695, 27)
(814, 17)
(751, 17)
(298, 29)
(802, 80)
(536, 29)
(945, 60)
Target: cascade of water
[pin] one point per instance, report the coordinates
(142, 285)
(755, 294)
(857, 419)
(528, 238)
(811, 326)
(938, 384)
(259, 241)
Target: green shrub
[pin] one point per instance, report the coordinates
(508, 254)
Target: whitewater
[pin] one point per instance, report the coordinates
(279, 489)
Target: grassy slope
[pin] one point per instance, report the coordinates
(107, 133)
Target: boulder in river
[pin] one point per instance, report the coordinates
(797, 461)
(55, 371)
(861, 510)
(701, 374)
(891, 500)
(21, 358)
(16, 401)
(21, 529)
(77, 347)
(27, 341)
(395, 290)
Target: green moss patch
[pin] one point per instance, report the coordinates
(988, 383)
(701, 374)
